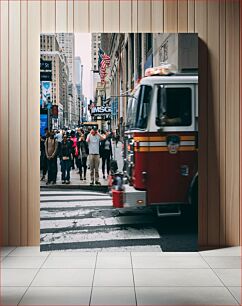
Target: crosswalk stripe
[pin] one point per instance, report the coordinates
(72, 198)
(71, 193)
(99, 223)
(73, 220)
(77, 204)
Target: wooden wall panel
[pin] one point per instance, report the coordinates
(24, 123)
(213, 123)
(81, 14)
(134, 8)
(222, 139)
(125, 16)
(14, 121)
(232, 122)
(201, 28)
(61, 16)
(217, 24)
(111, 16)
(70, 16)
(144, 16)
(182, 16)
(48, 16)
(33, 50)
(191, 16)
(4, 151)
(171, 16)
(157, 21)
(96, 16)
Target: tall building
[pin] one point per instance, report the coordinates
(67, 45)
(96, 42)
(77, 69)
(50, 51)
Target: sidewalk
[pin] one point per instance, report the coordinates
(76, 183)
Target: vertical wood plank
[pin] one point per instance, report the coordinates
(81, 14)
(70, 16)
(157, 20)
(201, 29)
(134, 8)
(213, 124)
(232, 122)
(33, 122)
(96, 16)
(111, 16)
(61, 16)
(170, 16)
(48, 16)
(144, 16)
(4, 151)
(125, 16)
(182, 16)
(240, 184)
(14, 121)
(191, 16)
(222, 138)
(24, 125)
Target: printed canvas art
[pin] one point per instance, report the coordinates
(119, 141)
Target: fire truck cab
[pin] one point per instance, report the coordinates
(161, 145)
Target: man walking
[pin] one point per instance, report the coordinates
(51, 147)
(65, 157)
(93, 140)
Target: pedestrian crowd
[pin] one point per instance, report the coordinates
(79, 149)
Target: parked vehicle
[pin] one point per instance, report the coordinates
(161, 145)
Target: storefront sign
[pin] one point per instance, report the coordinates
(99, 110)
(45, 65)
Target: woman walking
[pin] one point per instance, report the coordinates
(82, 148)
(66, 158)
(106, 153)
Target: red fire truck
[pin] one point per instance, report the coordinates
(161, 145)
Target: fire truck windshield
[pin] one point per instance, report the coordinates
(139, 108)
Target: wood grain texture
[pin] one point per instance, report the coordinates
(33, 122)
(48, 16)
(96, 16)
(144, 16)
(61, 16)
(201, 29)
(171, 15)
(24, 123)
(111, 17)
(4, 152)
(232, 122)
(14, 121)
(157, 21)
(182, 16)
(70, 16)
(191, 16)
(134, 7)
(222, 138)
(81, 15)
(125, 16)
(213, 124)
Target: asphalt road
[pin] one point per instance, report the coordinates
(86, 220)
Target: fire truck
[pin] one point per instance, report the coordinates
(161, 145)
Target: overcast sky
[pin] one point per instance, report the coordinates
(83, 49)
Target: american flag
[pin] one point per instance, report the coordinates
(104, 62)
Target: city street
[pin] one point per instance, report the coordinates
(75, 219)
(75, 177)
